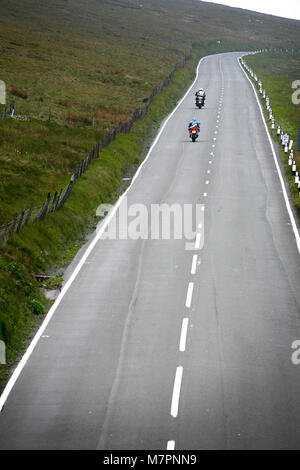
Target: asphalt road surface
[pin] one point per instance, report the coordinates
(157, 346)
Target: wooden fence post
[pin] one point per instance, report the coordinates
(53, 203)
(13, 226)
(29, 214)
(45, 208)
(58, 199)
(40, 212)
(3, 233)
(19, 226)
(68, 192)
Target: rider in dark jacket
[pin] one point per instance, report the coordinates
(201, 93)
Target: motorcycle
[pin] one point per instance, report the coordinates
(200, 101)
(194, 133)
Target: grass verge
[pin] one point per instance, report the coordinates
(278, 70)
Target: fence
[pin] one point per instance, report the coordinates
(8, 112)
(35, 213)
(284, 138)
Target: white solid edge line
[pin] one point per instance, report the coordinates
(183, 336)
(176, 392)
(171, 445)
(110, 215)
(189, 295)
(286, 198)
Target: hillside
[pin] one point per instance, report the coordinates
(95, 62)
(102, 58)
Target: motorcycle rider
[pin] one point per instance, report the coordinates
(194, 123)
(201, 93)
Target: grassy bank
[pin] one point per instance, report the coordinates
(278, 70)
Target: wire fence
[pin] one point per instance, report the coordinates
(8, 111)
(36, 212)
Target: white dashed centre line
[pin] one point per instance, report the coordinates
(171, 445)
(194, 264)
(198, 241)
(189, 295)
(176, 392)
(183, 336)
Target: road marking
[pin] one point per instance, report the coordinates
(287, 202)
(198, 241)
(194, 264)
(176, 392)
(86, 254)
(183, 336)
(171, 445)
(208, 171)
(206, 182)
(205, 194)
(189, 295)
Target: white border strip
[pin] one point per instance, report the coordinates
(285, 195)
(66, 287)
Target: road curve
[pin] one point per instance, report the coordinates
(154, 345)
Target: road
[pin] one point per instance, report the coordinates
(156, 346)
